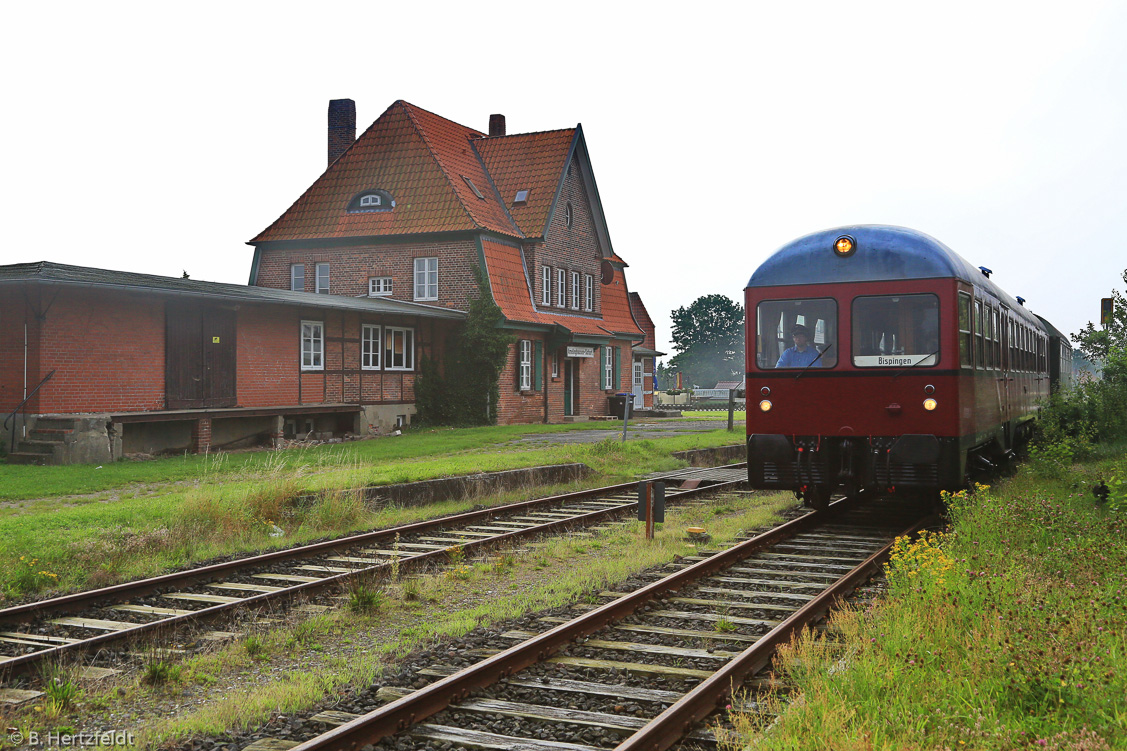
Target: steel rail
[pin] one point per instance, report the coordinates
(23, 663)
(400, 714)
(670, 726)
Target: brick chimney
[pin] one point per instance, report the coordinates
(496, 125)
(342, 126)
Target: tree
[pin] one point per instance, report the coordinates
(708, 338)
(1102, 403)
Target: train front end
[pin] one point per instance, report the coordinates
(852, 366)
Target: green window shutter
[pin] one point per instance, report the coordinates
(599, 359)
(538, 365)
(617, 368)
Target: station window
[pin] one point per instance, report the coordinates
(312, 345)
(399, 348)
(525, 364)
(575, 290)
(297, 277)
(322, 278)
(896, 331)
(370, 347)
(379, 286)
(561, 288)
(545, 285)
(777, 322)
(588, 292)
(426, 278)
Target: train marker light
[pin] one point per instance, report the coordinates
(844, 246)
(930, 404)
(765, 406)
(929, 389)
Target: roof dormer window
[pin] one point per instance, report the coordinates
(371, 201)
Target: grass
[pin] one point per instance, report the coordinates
(1005, 632)
(251, 502)
(378, 461)
(353, 649)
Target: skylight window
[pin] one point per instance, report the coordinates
(473, 187)
(522, 197)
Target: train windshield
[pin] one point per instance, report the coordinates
(896, 331)
(796, 334)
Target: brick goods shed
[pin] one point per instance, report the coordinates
(132, 363)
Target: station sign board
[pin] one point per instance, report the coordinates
(580, 351)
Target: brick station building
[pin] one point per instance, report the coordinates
(366, 273)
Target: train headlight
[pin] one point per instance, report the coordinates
(765, 406)
(844, 246)
(930, 404)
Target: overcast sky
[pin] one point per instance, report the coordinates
(159, 138)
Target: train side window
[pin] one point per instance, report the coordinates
(996, 347)
(979, 352)
(896, 331)
(966, 337)
(796, 333)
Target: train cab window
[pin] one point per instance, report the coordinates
(896, 331)
(966, 336)
(796, 334)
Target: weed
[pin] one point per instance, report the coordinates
(462, 573)
(365, 599)
(160, 670)
(504, 563)
(724, 626)
(255, 647)
(411, 589)
(61, 691)
(457, 555)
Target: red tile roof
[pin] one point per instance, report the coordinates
(528, 161)
(420, 159)
(511, 292)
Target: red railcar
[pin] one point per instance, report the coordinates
(879, 358)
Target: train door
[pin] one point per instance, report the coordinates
(1005, 377)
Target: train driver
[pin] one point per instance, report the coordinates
(801, 354)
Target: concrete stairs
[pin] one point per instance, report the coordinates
(44, 443)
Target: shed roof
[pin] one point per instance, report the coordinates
(46, 272)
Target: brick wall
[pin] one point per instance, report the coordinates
(351, 267)
(107, 349)
(574, 249)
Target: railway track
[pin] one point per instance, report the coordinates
(103, 620)
(638, 672)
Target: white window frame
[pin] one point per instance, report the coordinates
(588, 292)
(408, 335)
(561, 288)
(546, 285)
(294, 268)
(608, 368)
(525, 364)
(312, 345)
(370, 200)
(371, 347)
(575, 290)
(322, 271)
(379, 286)
(556, 365)
(426, 278)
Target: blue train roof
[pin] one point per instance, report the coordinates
(882, 253)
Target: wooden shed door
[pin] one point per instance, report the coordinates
(199, 356)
